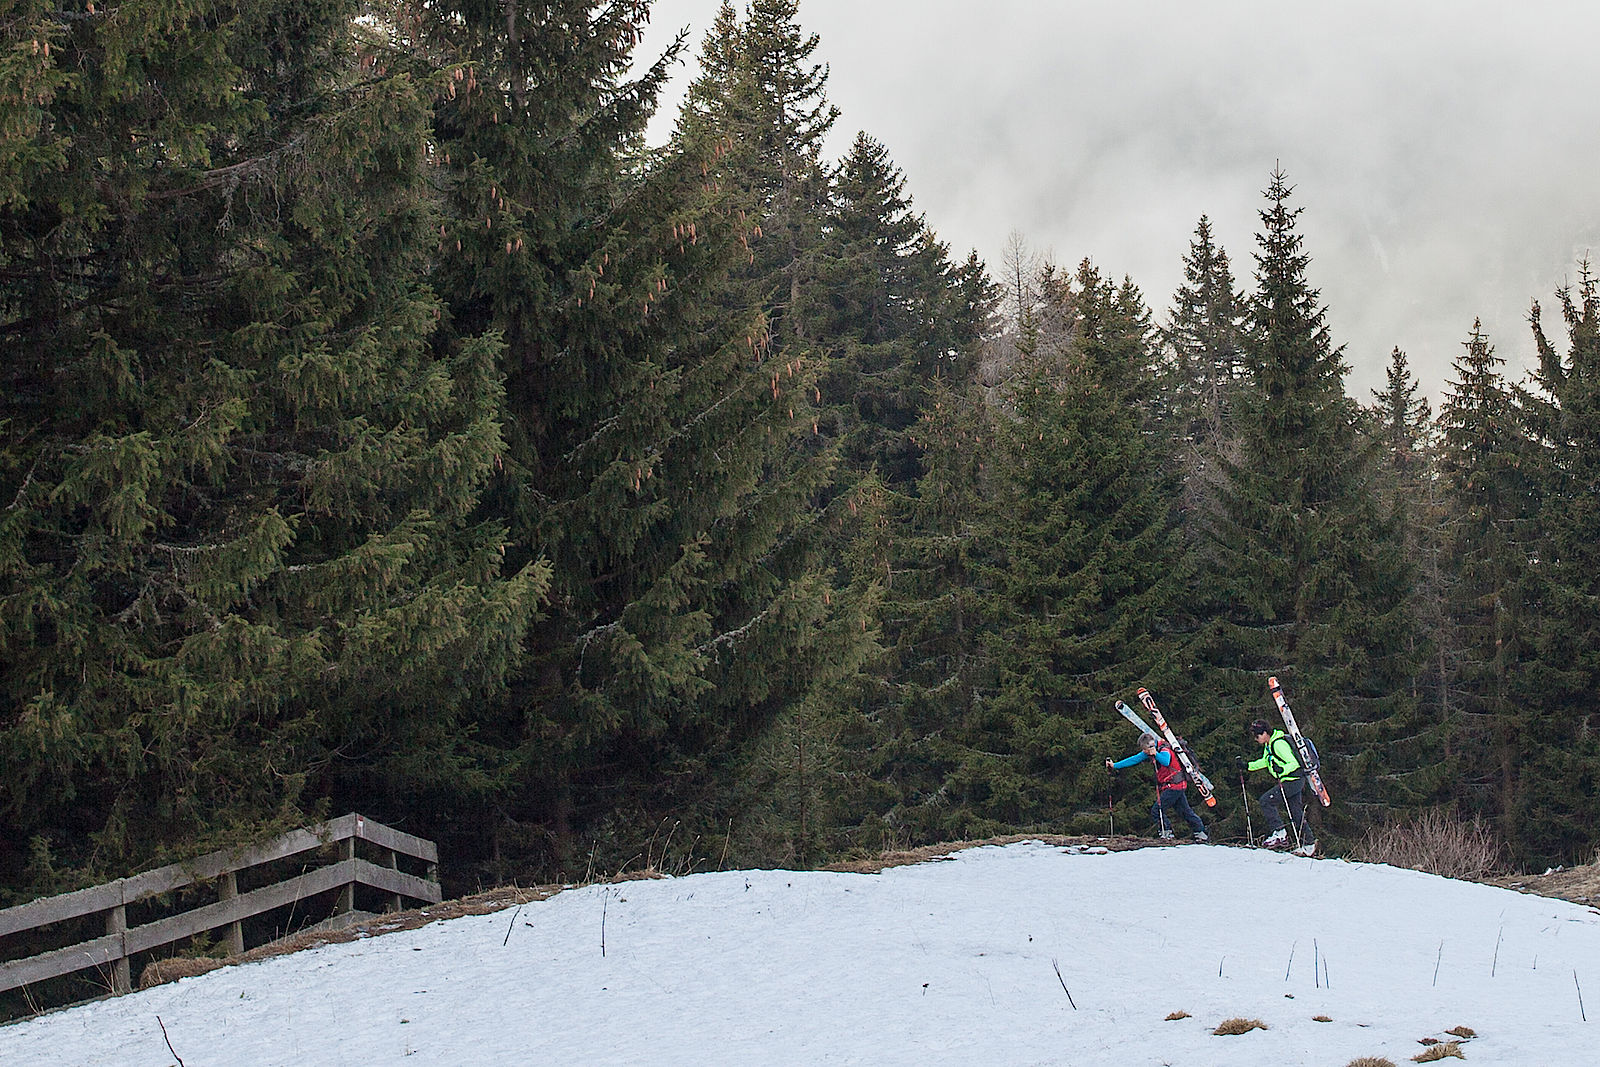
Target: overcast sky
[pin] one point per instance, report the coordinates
(1446, 152)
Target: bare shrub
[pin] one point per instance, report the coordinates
(1439, 1052)
(1230, 1027)
(1177, 1015)
(1436, 842)
(1370, 1061)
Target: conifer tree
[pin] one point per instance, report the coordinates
(661, 456)
(1487, 520)
(1402, 417)
(934, 624)
(239, 554)
(1203, 336)
(1085, 568)
(896, 315)
(1556, 805)
(1311, 583)
(1400, 425)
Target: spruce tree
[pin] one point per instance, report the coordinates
(1309, 581)
(1083, 570)
(1487, 520)
(661, 451)
(1203, 337)
(1400, 426)
(1556, 805)
(239, 553)
(896, 314)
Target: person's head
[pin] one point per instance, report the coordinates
(1259, 730)
(1147, 742)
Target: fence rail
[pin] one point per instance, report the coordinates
(120, 942)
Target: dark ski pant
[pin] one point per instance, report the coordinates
(1289, 791)
(1178, 802)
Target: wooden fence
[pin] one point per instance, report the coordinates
(114, 949)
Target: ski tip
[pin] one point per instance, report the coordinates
(1272, 682)
(1211, 802)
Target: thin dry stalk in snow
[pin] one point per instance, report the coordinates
(510, 925)
(1063, 982)
(168, 1040)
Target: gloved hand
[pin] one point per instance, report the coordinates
(1238, 761)
(1108, 763)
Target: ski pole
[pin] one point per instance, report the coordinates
(1244, 799)
(1111, 805)
(1294, 823)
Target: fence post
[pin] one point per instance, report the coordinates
(347, 895)
(395, 903)
(117, 923)
(227, 889)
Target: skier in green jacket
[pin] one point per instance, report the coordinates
(1279, 760)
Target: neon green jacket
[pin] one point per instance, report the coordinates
(1278, 758)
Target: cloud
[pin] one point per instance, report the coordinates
(1443, 151)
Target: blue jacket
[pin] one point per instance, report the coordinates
(1163, 757)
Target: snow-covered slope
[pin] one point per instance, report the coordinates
(949, 962)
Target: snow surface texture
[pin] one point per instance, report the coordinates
(946, 962)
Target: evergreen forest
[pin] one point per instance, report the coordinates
(386, 425)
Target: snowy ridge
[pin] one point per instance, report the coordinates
(952, 961)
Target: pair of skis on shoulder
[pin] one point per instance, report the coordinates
(1301, 749)
(1191, 766)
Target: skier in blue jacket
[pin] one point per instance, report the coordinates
(1171, 786)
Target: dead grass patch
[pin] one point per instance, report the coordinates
(1439, 1051)
(1177, 1015)
(1232, 1027)
(1370, 1061)
(1466, 1033)
(157, 972)
(1321, 1019)
(1581, 885)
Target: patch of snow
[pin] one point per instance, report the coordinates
(1022, 954)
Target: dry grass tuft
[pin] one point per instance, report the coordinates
(1321, 1019)
(1231, 1027)
(157, 972)
(1370, 1061)
(1177, 1015)
(1439, 1052)
(1466, 1033)
(1436, 842)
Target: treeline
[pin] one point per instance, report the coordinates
(386, 426)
